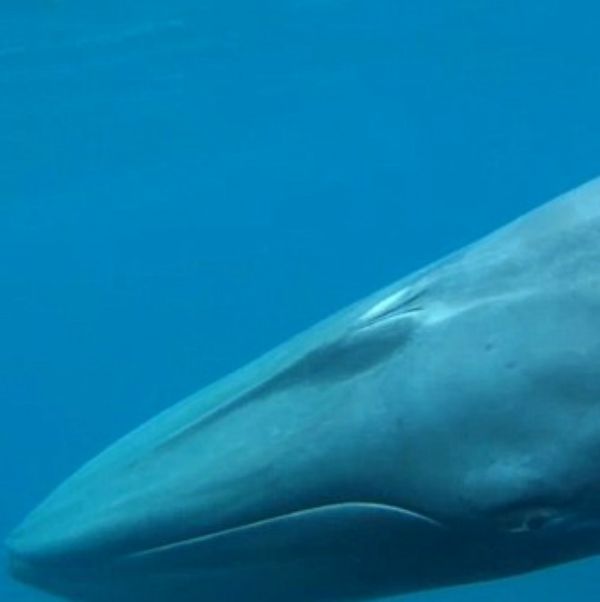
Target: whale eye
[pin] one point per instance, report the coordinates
(528, 520)
(536, 520)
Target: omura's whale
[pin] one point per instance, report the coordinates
(445, 430)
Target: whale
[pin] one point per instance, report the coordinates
(442, 431)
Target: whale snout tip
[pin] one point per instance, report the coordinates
(44, 564)
(20, 564)
(34, 558)
(23, 561)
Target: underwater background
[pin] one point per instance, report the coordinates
(185, 184)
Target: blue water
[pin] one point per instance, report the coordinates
(185, 184)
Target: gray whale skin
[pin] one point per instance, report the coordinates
(443, 431)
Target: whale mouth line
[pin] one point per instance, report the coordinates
(113, 554)
(311, 530)
(182, 543)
